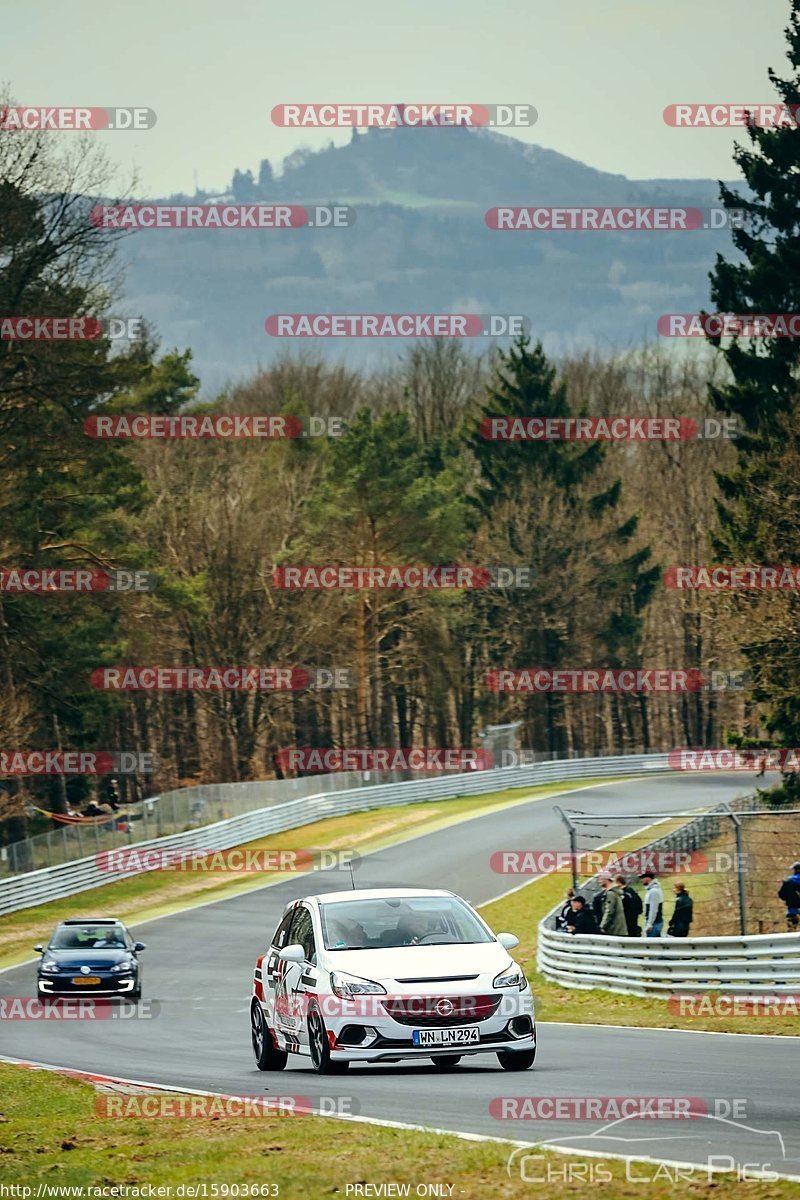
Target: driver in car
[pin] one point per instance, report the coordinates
(412, 927)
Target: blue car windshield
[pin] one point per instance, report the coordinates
(88, 937)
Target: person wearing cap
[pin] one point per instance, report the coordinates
(789, 893)
(653, 905)
(613, 920)
(581, 918)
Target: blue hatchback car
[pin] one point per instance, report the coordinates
(97, 956)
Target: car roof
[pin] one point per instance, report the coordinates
(377, 894)
(91, 921)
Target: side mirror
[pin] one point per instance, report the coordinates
(139, 946)
(39, 949)
(295, 954)
(508, 940)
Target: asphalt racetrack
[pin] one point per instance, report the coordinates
(198, 966)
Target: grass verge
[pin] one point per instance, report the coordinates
(52, 1138)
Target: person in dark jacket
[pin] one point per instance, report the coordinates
(566, 910)
(597, 905)
(632, 906)
(682, 916)
(789, 893)
(581, 919)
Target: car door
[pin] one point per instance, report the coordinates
(298, 979)
(272, 967)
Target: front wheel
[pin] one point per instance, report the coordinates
(445, 1062)
(516, 1060)
(268, 1057)
(319, 1047)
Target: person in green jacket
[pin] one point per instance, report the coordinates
(612, 920)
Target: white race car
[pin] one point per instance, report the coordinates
(378, 975)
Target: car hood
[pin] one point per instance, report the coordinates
(97, 959)
(436, 965)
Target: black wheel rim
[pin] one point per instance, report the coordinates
(316, 1038)
(257, 1027)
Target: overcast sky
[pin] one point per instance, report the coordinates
(600, 72)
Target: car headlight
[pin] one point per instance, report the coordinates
(347, 986)
(513, 976)
(125, 965)
(49, 966)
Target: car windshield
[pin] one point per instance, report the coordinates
(400, 921)
(88, 937)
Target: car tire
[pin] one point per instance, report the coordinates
(516, 1060)
(267, 1055)
(445, 1062)
(319, 1047)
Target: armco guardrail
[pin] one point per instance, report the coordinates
(751, 965)
(52, 883)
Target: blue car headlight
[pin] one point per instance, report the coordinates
(49, 966)
(121, 967)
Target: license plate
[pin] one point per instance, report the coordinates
(79, 979)
(462, 1036)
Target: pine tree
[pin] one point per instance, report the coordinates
(759, 513)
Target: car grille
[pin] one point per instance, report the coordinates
(441, 1010)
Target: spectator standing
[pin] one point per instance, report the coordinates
(612, 921)
(682, 916)
(566, 910)
(632, 906)
(789, 893)
(653, 905)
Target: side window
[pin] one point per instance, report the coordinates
(302, 932)
(280, 940)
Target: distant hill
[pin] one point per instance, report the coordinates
(420, 244)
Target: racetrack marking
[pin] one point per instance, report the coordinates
(668, 1029)
(116, 1081)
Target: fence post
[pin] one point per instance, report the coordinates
(737, 825)
(573, 844)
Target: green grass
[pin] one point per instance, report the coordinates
(52, 1136)
(157, 893)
